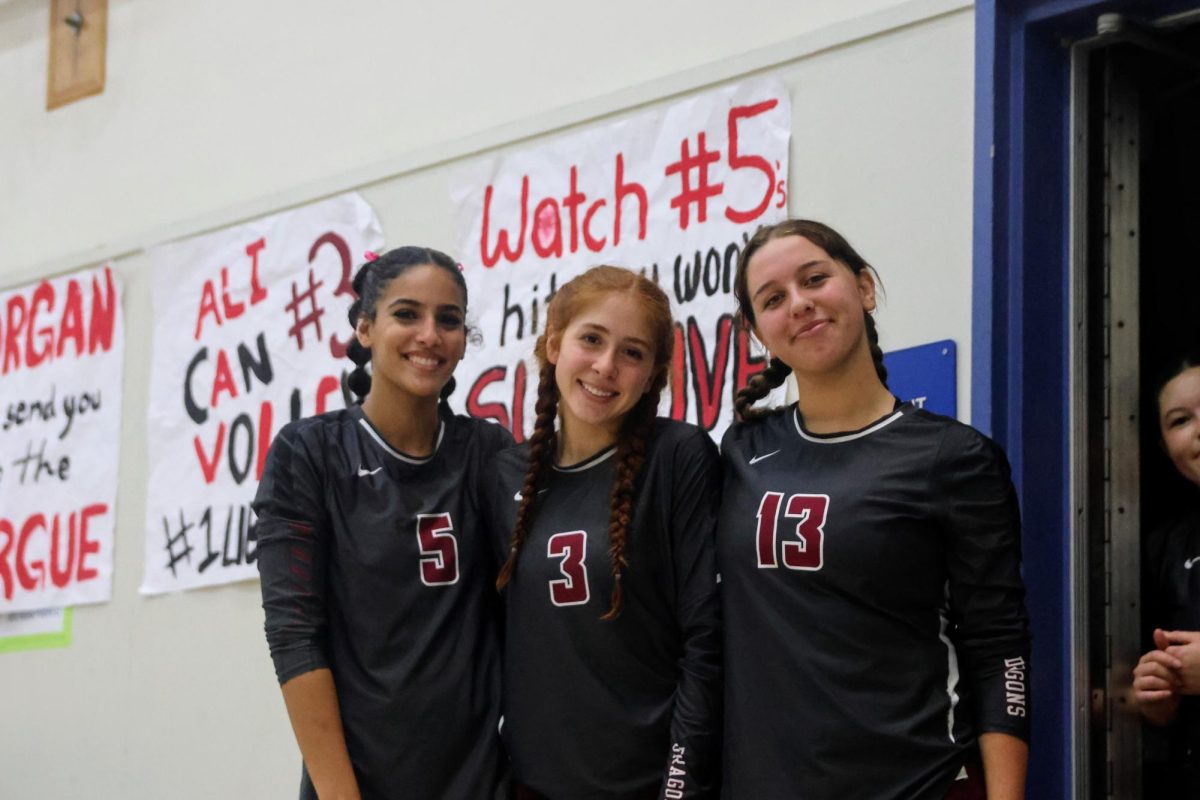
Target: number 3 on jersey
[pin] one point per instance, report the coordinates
(439, 549)
(572, 589)
(806, 551)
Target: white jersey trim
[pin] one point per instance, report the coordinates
(394, 453)
(588, 463)
(883, 423)
(952, 674)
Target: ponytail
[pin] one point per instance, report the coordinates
(359, 380)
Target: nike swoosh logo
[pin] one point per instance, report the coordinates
(1188, 564)
(757, 459)
(517, 496)
(364, 472)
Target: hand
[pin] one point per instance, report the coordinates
(1157, 681)
(1184, 646)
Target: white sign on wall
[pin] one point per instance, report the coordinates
(61, 349)
(250, 332)
(674, 190)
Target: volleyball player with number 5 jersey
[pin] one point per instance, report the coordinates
(612, 645)
(876, 638)
(376, 576)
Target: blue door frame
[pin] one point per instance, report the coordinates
(1020, 333)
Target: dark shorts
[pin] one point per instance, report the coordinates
(971, 787)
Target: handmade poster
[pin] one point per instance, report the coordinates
(61, 351)
(674, 191)
(250, 333)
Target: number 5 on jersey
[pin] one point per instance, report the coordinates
(806, 550)
(572, 589)
(439, 549)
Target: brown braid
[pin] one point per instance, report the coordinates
(542, 446)
(876, 350)
(759, 387)
(631, 454)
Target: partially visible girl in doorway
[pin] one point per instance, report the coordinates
(376, 578)
(612, 648)
(877, 642)
(1166, 681)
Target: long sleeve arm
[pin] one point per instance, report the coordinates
(986, 591)
(292, 546)
(292, 557)
(693, 765)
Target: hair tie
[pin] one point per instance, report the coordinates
(370, 255)
(460, 266)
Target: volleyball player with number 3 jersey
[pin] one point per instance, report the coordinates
(376, 576)
(612, 642)
(876, 637)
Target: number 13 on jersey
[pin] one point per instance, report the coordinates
(804, 551)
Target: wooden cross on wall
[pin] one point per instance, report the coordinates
(78, 34)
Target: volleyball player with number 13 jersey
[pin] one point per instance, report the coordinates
(877, 642)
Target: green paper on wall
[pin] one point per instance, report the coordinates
(43, 634)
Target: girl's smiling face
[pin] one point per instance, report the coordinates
(418, 334)
(808, 308)
(1179, 422)
(604, 362)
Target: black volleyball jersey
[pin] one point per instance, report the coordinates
(1172, 578)
(374, 565)
(873, 606)
(1173, 574)
(630, 707)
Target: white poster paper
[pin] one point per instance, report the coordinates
(674, 190)
(250, 332)
(61, 349)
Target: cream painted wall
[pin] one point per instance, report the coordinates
(239, 109)
(208, 106)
